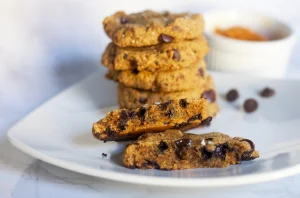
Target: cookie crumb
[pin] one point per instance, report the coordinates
(104, 155)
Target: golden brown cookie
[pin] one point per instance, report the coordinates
(151, 28)
(132, 98)
(127, 124)
(169, 81)
(162, 57)
(174, 150)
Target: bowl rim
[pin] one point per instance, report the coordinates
(290, 36)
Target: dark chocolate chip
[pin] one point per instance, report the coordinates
(178, 126)
(176, 55)
(232, 95)
(135, 71)
(206, 154)
(141, 113)
(143, 100)
(247, 154)
(151, 164)
(183, 143)
(123, 20)
(210, 95)
(250, 105)
(110, 132)
(104, 155)
(267, 92)
(133, 64)
(125, 56)
(209, 139)
(122, 124)
(220, 150)
(195, 117)
(131, 114)
(163, 106)
(179, 153)
(124, 114)
(201, 72)
(183, 103)
(206, 122)
(170, 113)
(164, 38)
(162, 146)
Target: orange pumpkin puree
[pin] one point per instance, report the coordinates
(240, 33)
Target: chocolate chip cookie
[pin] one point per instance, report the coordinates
(127, 124)
(162, 57)
(174, 150)
(151, 28)
(170, 81)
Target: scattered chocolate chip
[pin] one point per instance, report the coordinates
(195, 117)
(122, 124)
(135, 71)
(123, 20)
(110, 132)
(183, 103)
(209, 95)
(141, 113)
(170, 113)
(104, 155)
(206, 122)
(125, 56)
(163, 106)
(209, 139)
(232, 95)
(151, 164)
(131, 114)
(164, 38)
(176, 55)
(143, 100)
(247, 154)
(205, 153)
(250, 105)
(220, 150)
(267, 92)
(201, 72)
(178, 126)
(133, 64)
(162, 146)
(183, 143)
(124, 114)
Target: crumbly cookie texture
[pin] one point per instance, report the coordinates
(162, 57)
(151, 28)
(127, 124)
(133, 98)
(174, 150)
(170, 81)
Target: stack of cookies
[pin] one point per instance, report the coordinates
(157, 57)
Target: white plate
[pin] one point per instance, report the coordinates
(59, 132)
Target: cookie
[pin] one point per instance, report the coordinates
(162, 57)
(124, 124)
(170, 81)
(151, 28)
(132, 98)
(174, 150)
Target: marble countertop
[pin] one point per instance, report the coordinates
(60, 44)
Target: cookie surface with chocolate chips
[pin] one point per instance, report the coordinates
(169, 81)
(162, 57)
(174, 150)
(151, 28)
(127, 124)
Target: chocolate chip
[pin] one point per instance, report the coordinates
(246, 156)
(267, 92)
(143, 100)
(209, 95)
(220, 150)
(206, 122)
(179, 153)
(250, 105)
(104, 155)
(232, 95)
(170, 113)
(183, 143)
(131, 114)
(124, 114)
(176, 55)
(133, 64)
(162, 146)
(125, 56)
(150, 164)
(209, 139)
(183, 103)
(178, 126)
(122, 124)
(205, 153)
(201, 72)
(163, 106)
(195, 117)
(123, 20)
(164, 38)
(110, 132)
(141, 113)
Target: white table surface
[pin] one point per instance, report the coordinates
(47, 57)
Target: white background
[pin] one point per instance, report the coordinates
(45, 46)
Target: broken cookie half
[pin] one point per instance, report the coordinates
(175, 150)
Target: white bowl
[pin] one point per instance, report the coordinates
(267, 58)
